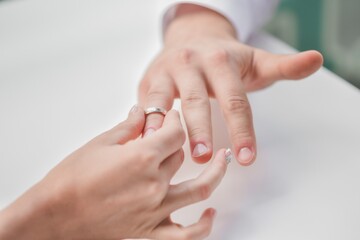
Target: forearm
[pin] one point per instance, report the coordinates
(28, 217)
(193, 21)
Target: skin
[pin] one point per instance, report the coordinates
(116, 186)
(201, 59)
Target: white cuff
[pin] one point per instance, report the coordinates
(246, 16)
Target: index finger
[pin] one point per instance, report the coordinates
(167, 140)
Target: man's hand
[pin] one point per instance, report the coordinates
(202, 58)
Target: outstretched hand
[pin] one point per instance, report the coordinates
(202, 59)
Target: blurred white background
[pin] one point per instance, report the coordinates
(70, 69)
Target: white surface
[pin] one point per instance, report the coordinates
(70, 71)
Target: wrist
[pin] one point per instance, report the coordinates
(28, 217)
(196, 22)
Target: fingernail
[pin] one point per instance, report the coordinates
(134, 109)
(245, 155)
(229, 156)
(199, 150)
(149, 132)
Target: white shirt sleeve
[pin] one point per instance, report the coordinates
(246, 16)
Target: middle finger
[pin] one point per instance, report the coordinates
(197, 113)
(225, 80)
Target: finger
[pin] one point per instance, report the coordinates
(292, 66)
(167, 140)
(197, 114)
(197, 231)
(227, 86)
(171, 165)
(127, 130)
(202, 228)
(199, 189)
(159, 94)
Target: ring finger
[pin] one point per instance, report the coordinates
(159, 94)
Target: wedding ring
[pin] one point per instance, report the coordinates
(151, 110)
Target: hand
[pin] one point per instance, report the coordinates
(117, 186)
(202, 58)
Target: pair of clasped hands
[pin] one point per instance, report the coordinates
(117, 186)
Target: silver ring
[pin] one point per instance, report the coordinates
(151, 110)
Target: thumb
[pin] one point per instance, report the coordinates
(293, 66)
(129, 129)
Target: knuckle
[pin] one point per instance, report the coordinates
(194, 99)
(236, 103)
(156, 94)
(150, 156)
(184, 56)
(154, 188)
(138, 158)
(203, 191)
(196, 131)
(155, 191)
(219, 57)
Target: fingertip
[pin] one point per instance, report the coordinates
(204, 158)
(210, 212)
(220, 154)
(207, 220)
(137, 114)
(316, 54)
(128, 129)
(136, 110)
(201, 152)
(301, 65)
(225, 156)
(222, 159)
(208, 216)
(246, 156)
(316, 59)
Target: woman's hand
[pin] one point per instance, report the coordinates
(116, 186)
(202, 58)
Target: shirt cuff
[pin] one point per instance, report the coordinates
(246, 16)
